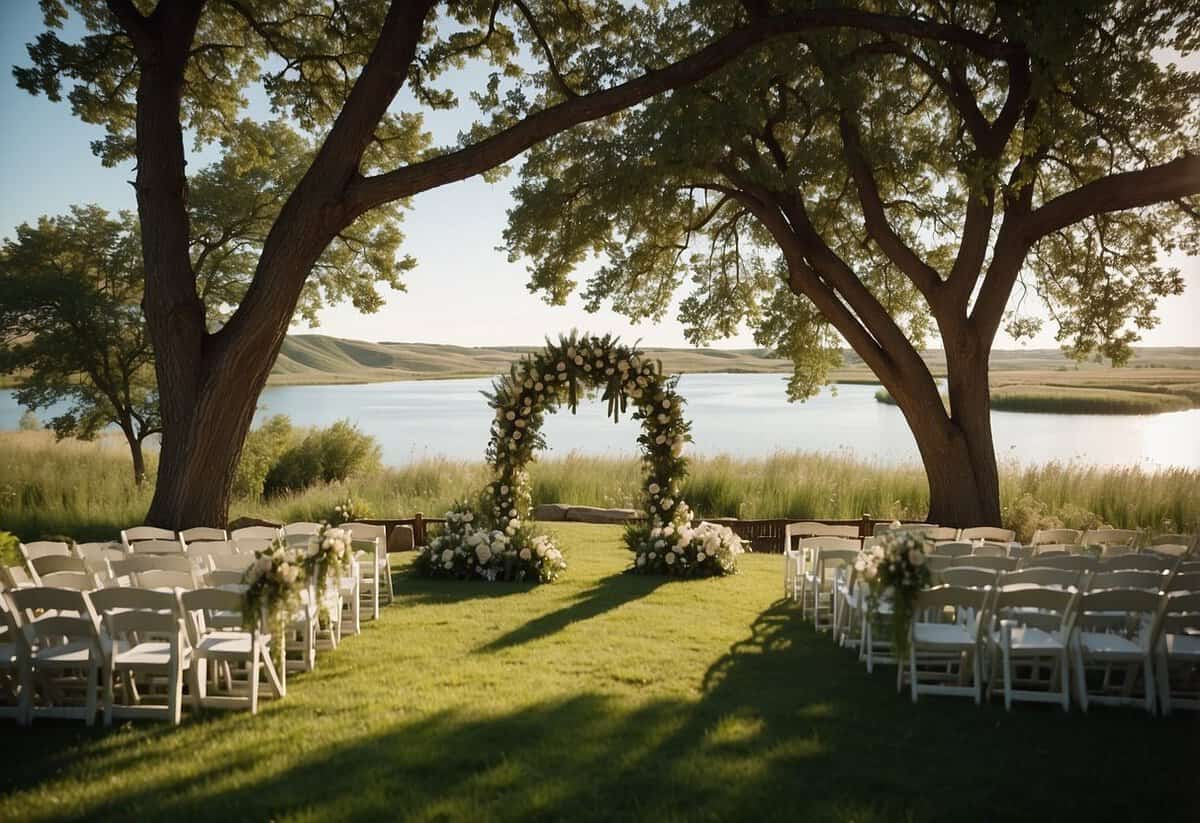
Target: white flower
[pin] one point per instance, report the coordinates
(263, 564)
(483, 552)
(570, 351)
(654, 488)
(668, 529)
(700, 557)
(670, 558)
(662, 438)
(468, 516)
(510, 416)
(916, 557)
(448, 565)
(516, 435)
(667, 502)
(666, 404)
(677, 447)
(641, 561)
(525, 554)
(538, 386)
(561, 366)
(447, 555)
(578, 360)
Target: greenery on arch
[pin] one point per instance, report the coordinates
(496, 539)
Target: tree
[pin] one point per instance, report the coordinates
(71, 324)
(877, 188)
(336, 68)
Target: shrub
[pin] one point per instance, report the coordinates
(262, 450)
(10, 555)
(29, 422)
(324, 455)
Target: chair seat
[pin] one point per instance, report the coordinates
(224, 643)
(1031, 638)
(77, 652)
(942, 634)
(1102, 643)
(1182, 645)
(151, 653)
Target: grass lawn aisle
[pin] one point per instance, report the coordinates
(604, 695)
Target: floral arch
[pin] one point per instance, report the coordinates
(495, 538)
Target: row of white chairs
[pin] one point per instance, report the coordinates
(1117, 619)
(210, 548)
(60, 649)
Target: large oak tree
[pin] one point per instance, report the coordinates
(877, 188)
(151, 72)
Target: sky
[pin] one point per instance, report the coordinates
(463, 291)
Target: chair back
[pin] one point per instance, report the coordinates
(968, 578)
(51, 563)
(795, 531)
(829, 560)
(166, 579)
(126, 611)
(198, 534)
(1145, 580)
(811, 543)
(136, 564)
(1068, 537)
(1046, 609)
(301, 528)
(988, 533)
(941, 533)
(44, 548)
(35, 599)
(154, 546)
(950, 549)
(1041, 577)
(1137, 562)
(224, 578)
(1181, 615)
(80, 581)
(985, 561)
(1109, 537)
(990, 550)
(1184, 582)
(250, 545)
(941, 597)
(1074, 562)
(198, 602)
(230, 562)
(1132, 610)
(255, 533)
(365, 531)
(139, 533)
(98, 554)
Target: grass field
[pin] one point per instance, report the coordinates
(85, 490)
(605, 696)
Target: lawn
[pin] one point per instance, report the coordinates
(605, 696)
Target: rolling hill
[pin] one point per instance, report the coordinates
(316, 359)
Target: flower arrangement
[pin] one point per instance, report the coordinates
(349, 510)
(329, 555)
(469, 548)
(540, 382)
(678, 549)
(895, 570)
(273, 584)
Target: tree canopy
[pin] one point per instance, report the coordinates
(71, 325)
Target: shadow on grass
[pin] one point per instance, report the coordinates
(609, 593)
(415, 589)
(784, 726)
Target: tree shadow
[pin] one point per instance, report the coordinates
(609, 593)
(415, 589)
(782, 726)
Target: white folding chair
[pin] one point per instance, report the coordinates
(76, 581)
(157, 547)
(1149, 581)
(805, 573)
(300, 533)
(794, 532)
(224, 579)
(144, 635)
(1040, 578)
(1029, 643)
(167, 579)
(1172, 545)
(61, 653)
(991, 533)
(1184, 582)
(827, 562)
(945, 651)
(375, 583)
(1114, 631)
(44, 548)
(137, 534)
(249, 545)
(1111, 541)
(11, 644)
(1073, 562)
(226, 648)
(1178, 645)
(230, 562)
(124, 572)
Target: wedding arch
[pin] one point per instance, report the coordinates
(494, 537)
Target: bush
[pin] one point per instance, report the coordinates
(29, 422)
(324, 455)
(10, 555)
(261, 451)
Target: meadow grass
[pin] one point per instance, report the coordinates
(603, 696)
(1053, 399)
(86, 491)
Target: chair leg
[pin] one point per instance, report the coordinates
(255, 658)
(93, 684)
(1148, 683)
(175, 689)
(109, 676)
(1163, 681)
(912, 670)
(1064, 677)
(977, 670)
(1080, 677)
(198, 681)
(1006, 661)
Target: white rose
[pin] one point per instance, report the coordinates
(483, 552)
(525, 554)
(654, 488)
(670, 558)
(641, 561)
(510, 415)
(561, 366)
(700, 557)
(666, 404)
(447, 555)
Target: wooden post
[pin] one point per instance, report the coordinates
(867, 526)
(419, 530)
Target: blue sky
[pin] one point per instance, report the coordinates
(463, 291)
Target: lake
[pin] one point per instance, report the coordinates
(740, 414)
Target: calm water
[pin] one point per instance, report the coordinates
(740, 414)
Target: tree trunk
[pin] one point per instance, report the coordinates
(135, 451)
(956, 448)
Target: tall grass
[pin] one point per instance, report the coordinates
(1052, 399)
(85, 490)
